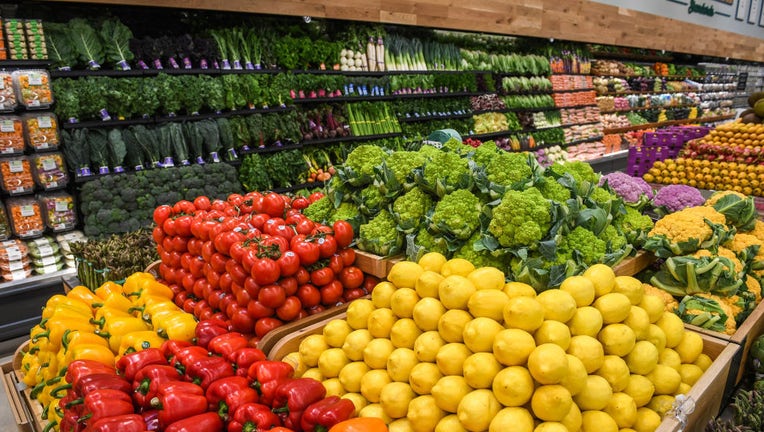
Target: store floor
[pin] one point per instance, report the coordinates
(7, 422)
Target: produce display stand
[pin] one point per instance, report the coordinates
(26, 411)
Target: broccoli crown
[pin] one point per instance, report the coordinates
(551, 189)
(601, 195)
(677, 197)
(319, 211)
(614, 238)
(508, 168)
(580, 171)
(486, 152)
(631, 189)
(345, 211)
(402, 163)
(446, 167)
(591, 248)
(458, 213)
(372, 200)
(364, 158)
(457, 147)
(522, 219)
(482, 258)
(633, 220)
(379, 235)
(429, 151)
(410, 208)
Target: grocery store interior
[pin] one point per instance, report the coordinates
(542, 216)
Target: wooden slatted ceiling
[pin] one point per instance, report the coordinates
(562, 19)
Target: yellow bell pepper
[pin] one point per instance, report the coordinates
(72, 338)
(35, 343)
(83, 293)
(52, 413)
(155, 312)
(153, 288)
(118, 326)
(42, 391)
(107, 289)
(59, 299)
(104, 314)
(139, 341)
(98, 353)
(30, 366)
(56, 327)
(136, 282)
(117, 301)
(51, 371)
(67, 311)
(180, 326)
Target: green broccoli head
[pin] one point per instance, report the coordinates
(551, 189)
(522, 219)
(580, 171)
(591, 248)
(403, 163)
(613, 238)
(446, 172)
(456, 146)
(429, 151)
(371, 201)
(410, 209)
(634, 225)
(320, 210)
(457, 214)
(482, 258)
(601, 195)
(507, 168)
(380, 236)
(486, 152)
(364, 158)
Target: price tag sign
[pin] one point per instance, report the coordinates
(27, 210)
(49, 164)
(48, 261)
(62, 206)
(15, 265)
(18, 275)
(35, 79)
(7, 126)
(44, 122)
(16, 166)
(13, 254)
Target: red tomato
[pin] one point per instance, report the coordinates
(225, 282)
(315, 196)
(189, 305)
(321, 276)
(302, 276)
(248, 260)
(280, 242)
(188, 282)
(240, 320)
(219, 205)
(183, 207)
(294, 217)
(265, 271)
(218, 262)
(167, 244)
(256, 201)
(304, 226)
(321, 229)
(271, 296)
(183, 225)
(185, 261)
(236, 271)
(257, 310)
(213, 278)
(158, 234)
(196, 267)
(226, 300)
(343, 233)
(194, 246)
(207, 250)
(265, 325)
(200, 306)
(180, 244)
(252, 287)
(161, 214)
(300, 203)
(235, 199)
(243, 298)
(348, 256)
(288, 263)
(353, 294)
(336, 264)
(225, 240)
(290, 309)
(199, 287)
(258, 220)
(308, 252)
(309, 295)
(289, 284)
(274, 205)
(234, 288)
(180, 298)
(327, 246)
(369, 282)
(169, 227)
(214, 299)
(316, 309)
(202, 203)
(351, 277)
(331, 293)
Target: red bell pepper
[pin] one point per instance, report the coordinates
(128, 365)
(171, 347)
(253, 417)
(207, 329)
(184, 356)
(70, 422)
(80, 368)
(204, 371)
(268, 375)
(120, 423)
(104, 403)
(243, 358)
(151, 417)
(177, 400)
(226, 395)
(92, 382)
(70, 397)
(148, 379)
(225, 344)
(322, 415)
(207, 422)
(294, 396)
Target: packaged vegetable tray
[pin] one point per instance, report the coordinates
(43, 247)
(5, 227)
(41, 130)
(7, 92)
(33, 88)
(59, 212)
(15, 275)
(50, 170)
(26, 217)
(13, 250)
(11, 135)
(16, 174)
(15, 265)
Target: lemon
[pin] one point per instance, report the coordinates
(400, 425)
(548, 364)
(448, 391)
(335, 332)
(487, 278)
(653, 305)
(455, 291)
(575, 380)
(670, 358)
(647, 420)
(404, 274)
(581, 288)
(639, 321)
(552, 331)
(689, 347)
(513, 346)
(615, 370)
(450, 423)
(331, 362)
(643, 358)
(513, 386)
(375, 410)
(518, 289)
(703, 361)
(427, 313)
(623, 409)
(572, 419)
(450, 358)
(376, 353)
(351, 375)
(512, 419)
(602, 277)
(333, 387)
(595, 394)
(358, 312)
(586, 321)
(313, 373)
(614, 307)
(480, 368)
(588, 350)
(558, 305)
(673, 328)
(550, 427)
(523, 313)
(427, 345)
(630, 287)
(380, 321)
(640, 389)
(400, 363)
(403, 301)
(427, 284)
(395, 397)
(478, 334)
(661, 404)
(311, 347)
(451, 325)
(665, 379)
(690, 373)
(683, 389)
(488, 303)
(617, 339)
(423, 414)
(294, 360)
(551, 402)
(597, 421)
(656, 336)
(404, 332)
(432, 261)
(355, 343)
(423, 377)
(372, 383)
(456, 266)
(358, 401)
(381, 294)
(477, 409)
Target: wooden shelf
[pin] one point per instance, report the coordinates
(667, 123)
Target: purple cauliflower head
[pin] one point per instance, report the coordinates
(634, 191)
(673, 198)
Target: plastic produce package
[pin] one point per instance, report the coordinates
(13, 250)
(33, 88)
(59, 211)
(26, 217)
(42, 131)
(5, 227)
(43, 247)
(50, 171)
(7, 92)
(17, 175)
(11, 135)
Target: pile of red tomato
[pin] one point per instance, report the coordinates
(255, 261)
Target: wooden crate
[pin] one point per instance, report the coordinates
(291, 343)
(633, 265)
(26, 412)
(267, 343)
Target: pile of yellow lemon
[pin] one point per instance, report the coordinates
(443, 346)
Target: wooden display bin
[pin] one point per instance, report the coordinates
(26, 412)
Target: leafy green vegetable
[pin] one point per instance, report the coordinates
(76, 149)
(169, 92)
(285, 167)
(86, 43)
(688, 275)
(117, 150)
(252, 174)
(98, 143)
(60, 49)
(195, 141)
(116, 37)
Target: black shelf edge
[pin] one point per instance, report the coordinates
(273, 149)
(515, 74)
(432, 117)
(177, 118)
(526, 92)
(587, 140)
(384, 73)
(490, 135)
(631, 56)
(19, 286)
(574, 90)
(351, 138)
(577, 106)
(97, 73)
(571, 74)
(24, 64)
(307, 185)
(84, 179)
(581, 124)
(646, 108)
(506, 110)
(386, 97)
(108, 123)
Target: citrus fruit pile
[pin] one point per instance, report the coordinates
(444, 346)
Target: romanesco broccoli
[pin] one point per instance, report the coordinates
(319, 211)
(634, 225)
(507, 168)
(403, 163)
(380, 236)
(362, 161)
(551, 189)
(486, 152)
(456, 146)
(429, 151)
(457, 214)
(586, 243)
(580, 171)
(370, 200)
(446, 172)
(522, 219)
(347, 212)
(615, 239)
(423, 243)
(481, 258)
(410, 209)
